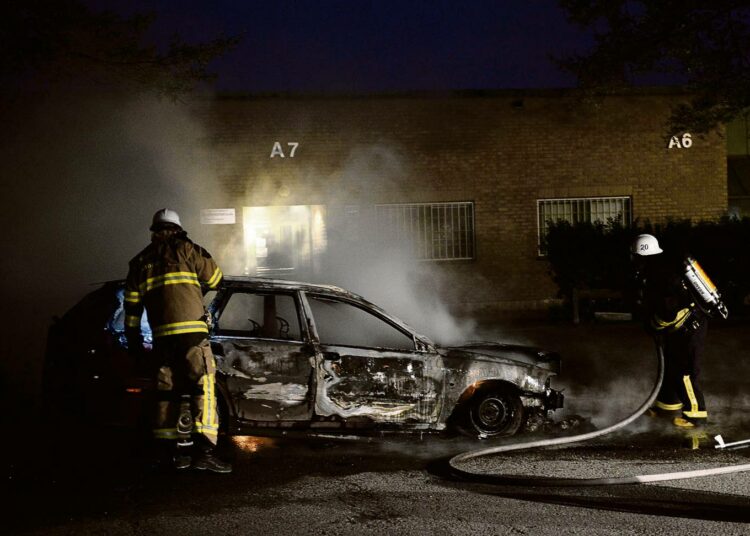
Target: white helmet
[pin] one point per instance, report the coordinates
(645, 245)
(165, 215)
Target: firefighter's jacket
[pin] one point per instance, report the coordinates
(166, 279)
(669, 305)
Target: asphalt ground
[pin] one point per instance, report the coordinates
(69, 479)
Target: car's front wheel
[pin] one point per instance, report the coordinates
(494, 410)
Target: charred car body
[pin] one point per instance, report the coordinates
(297, 356)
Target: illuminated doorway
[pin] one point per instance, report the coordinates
(281, 240)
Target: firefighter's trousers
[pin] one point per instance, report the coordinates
(681, 392)
(186, 366)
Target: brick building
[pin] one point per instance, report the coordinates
(738, 165)
(463, 180)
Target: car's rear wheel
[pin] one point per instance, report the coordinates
(493, 411)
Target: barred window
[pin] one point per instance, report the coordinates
(586, 209)
(431, 231)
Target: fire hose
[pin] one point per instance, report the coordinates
(518, 480)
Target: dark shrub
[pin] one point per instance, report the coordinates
(597, 255)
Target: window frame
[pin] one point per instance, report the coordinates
(218, 311)
(309, 296)
(470, 245)
(539, 201)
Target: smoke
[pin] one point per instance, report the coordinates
(388, 276)
(83, 176)
(368, 262)
(354, 253)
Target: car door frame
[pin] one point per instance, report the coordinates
(216, 307)
(423, 351)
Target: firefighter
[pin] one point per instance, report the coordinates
(168, 279)
(672, 315)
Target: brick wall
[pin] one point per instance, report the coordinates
(503, 151)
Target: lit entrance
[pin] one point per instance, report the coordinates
(281, 240)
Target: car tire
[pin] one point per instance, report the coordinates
(494, 411)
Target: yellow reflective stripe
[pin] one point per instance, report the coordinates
(206, 398)
(215, 278)
(132, 296)
(172, 281)
(658, 324)
(165, 433)
(214, 411)
(132, 321)
(209, 425)
(171, 278)
(679, 319)
(193, 326)
(696, 414)
(170, 274)
(210, 417)
(668, 407)
(690, 393)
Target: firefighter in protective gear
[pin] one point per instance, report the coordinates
(167, 278)
(677, 323)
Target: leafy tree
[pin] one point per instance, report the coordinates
(704, 45)
(49, 42)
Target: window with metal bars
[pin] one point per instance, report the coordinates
(586, 209)
(431, 231)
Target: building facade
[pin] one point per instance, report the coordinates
(464, 182)
(738, 165)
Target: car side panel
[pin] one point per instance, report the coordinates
(382, 386)
(267, 380)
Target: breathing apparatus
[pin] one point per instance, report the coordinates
(705, 293)
(694, 279)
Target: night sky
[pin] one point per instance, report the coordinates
(373, 46)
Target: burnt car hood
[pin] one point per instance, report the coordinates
(505, 353)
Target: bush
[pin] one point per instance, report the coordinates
(597, 255)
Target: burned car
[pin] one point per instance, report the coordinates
(310, 358)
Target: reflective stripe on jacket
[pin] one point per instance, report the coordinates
(166, 279)
(679, 320)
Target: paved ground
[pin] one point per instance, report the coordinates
(77, 481)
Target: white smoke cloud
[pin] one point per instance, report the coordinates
(83, 177)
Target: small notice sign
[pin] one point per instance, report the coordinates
(217, 216)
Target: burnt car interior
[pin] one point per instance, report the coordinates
(260, 315)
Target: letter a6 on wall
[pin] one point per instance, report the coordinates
(684, 142)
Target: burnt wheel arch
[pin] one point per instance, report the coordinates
(494, 409)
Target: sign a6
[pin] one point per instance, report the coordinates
(684, 142)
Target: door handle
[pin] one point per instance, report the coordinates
(331, 356)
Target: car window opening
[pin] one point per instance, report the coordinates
(340, 323)
(260, 315)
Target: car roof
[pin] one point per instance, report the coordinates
(263, 283)
(284, 284)
(239, 281)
